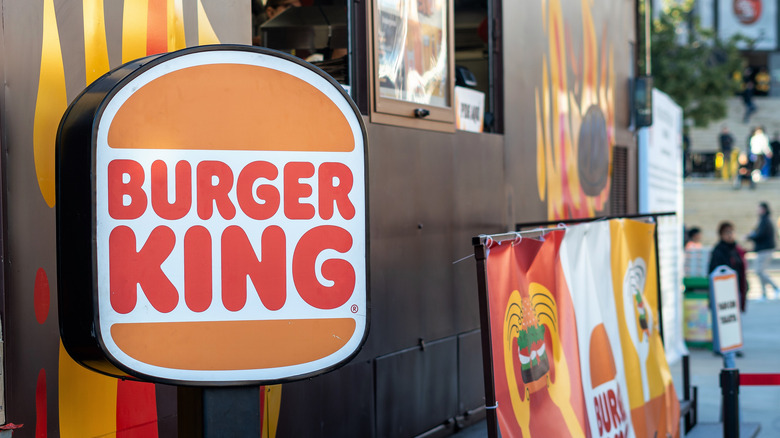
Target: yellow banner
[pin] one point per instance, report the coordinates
(652, 398)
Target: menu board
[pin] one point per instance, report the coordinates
(412, 51)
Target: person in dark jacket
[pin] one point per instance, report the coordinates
(763, 238)
(728, 253)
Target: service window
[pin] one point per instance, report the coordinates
(478, 68)
(316, 31)
(413, 74)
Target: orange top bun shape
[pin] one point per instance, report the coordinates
(602, 363)
(236, 107)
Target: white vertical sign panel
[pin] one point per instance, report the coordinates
(660, 190)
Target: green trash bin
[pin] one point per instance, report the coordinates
(697, 328)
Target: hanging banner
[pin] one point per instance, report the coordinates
(585, 254)
(575, 335)
(535, 359)
(653, 401)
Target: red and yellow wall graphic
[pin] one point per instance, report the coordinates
(149, 27)
(91, 404)
(575, 116)
(576, 344)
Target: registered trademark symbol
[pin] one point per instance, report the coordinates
(354, 308)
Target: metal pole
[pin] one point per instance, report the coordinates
(520, 226)
(648, 11)
(214, 412)
(729, 388)
(487, 343)
(659, 299)
(686, 368)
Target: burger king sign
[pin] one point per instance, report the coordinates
(211, 220)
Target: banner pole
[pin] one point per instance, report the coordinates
(491, 406)
(520, 226)
(729, 388)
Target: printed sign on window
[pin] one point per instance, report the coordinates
(469, 109)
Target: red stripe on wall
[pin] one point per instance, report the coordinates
(136, 410)
(41, 298)
(157, 27)
(40, 405)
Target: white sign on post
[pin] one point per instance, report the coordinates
(725, 302)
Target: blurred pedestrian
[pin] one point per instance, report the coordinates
(775, 146)
(694, 238)
(726, 141)
(759, 148)
(747, 98)
(728, 253)
(744, 171)
(763, 238)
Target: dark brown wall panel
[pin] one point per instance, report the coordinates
(336, 404)
(471, 389)
(430, 193)
(416, 389)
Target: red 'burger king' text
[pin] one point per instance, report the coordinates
(212, 189)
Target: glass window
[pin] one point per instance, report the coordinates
(477, 57)
(413, 63)
(316, 31)
(413, 51)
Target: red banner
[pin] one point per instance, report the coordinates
(535, 353)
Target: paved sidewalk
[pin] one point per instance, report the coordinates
(761, 333)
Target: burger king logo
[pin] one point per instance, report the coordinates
(212, 220)
(612, 418)
(747, 11)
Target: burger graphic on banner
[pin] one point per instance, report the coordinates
(531, 350)
(212, 220)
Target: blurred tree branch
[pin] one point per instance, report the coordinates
(690, 64)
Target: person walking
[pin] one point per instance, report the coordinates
(763, 238)
(728, 253)
(775, 146)
(726, 141)
(747, 98)
(759, 148)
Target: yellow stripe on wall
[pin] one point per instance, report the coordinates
(51, 103)
(95, 48)
(134, 23)
(87, 401)
(206, 34)
(273, 402)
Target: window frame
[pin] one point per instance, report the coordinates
(390, 111)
